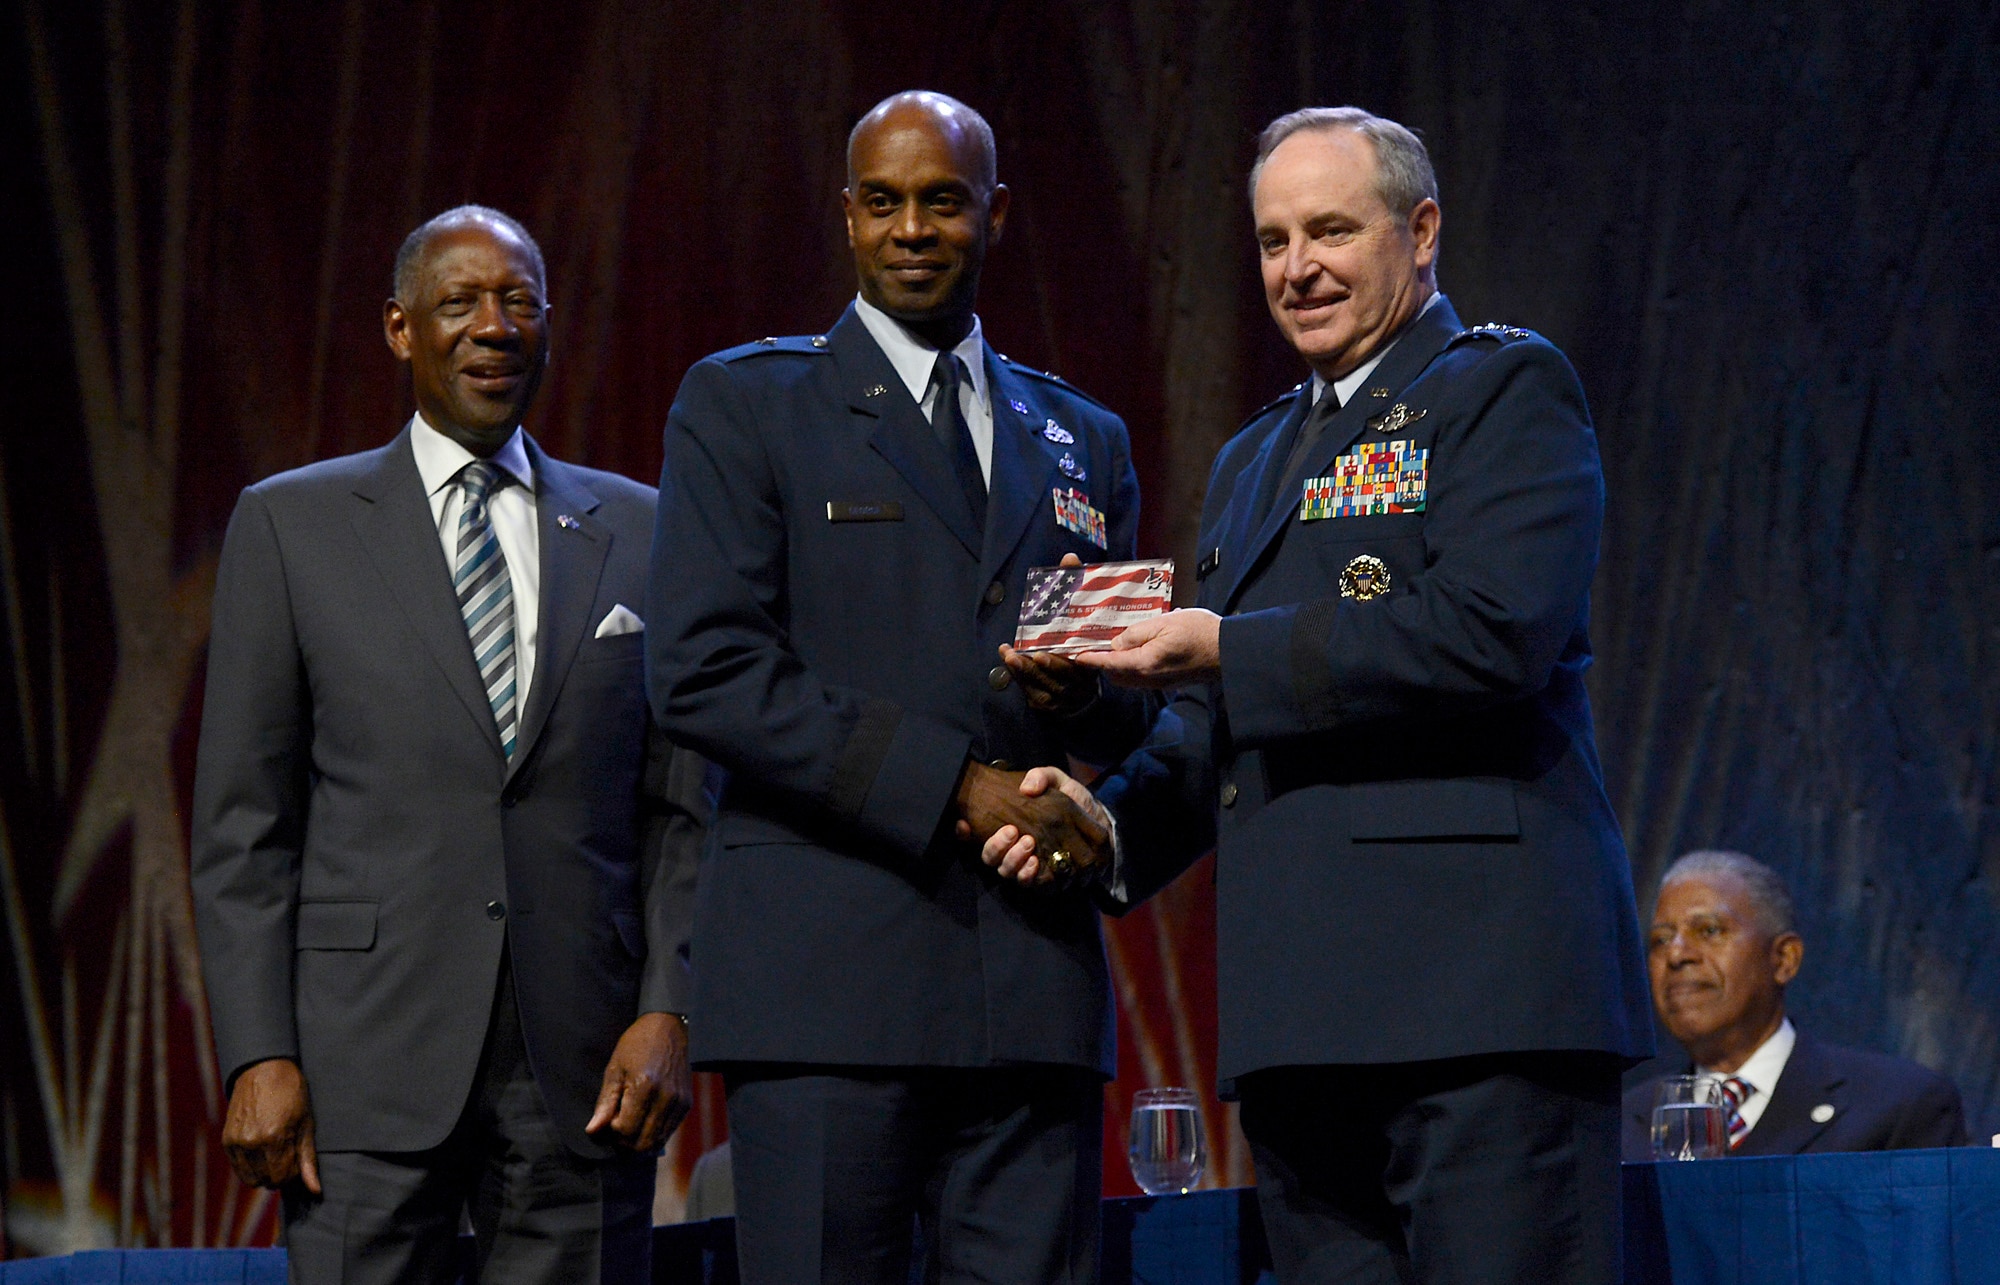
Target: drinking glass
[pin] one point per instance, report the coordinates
(1166, 1150)
(1690, 1121)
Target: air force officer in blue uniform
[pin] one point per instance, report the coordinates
(1430, 973)
(844, 530)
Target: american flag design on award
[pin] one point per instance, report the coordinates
(1072, 609)
(1379, 477)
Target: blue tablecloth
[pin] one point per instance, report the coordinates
(151, 1267)
(1889, 1218)
(1208, 1238)
(1907, 1217)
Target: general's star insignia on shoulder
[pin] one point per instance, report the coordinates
(1499, 330)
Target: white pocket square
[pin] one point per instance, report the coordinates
(620, 620)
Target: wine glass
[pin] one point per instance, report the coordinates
(1166, 1150)
(1690, 1121)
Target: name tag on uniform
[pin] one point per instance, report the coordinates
(1073, 513)
(864, 511)
(1378, 477)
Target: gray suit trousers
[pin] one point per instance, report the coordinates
(540, 1212)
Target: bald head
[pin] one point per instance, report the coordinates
(964, 129)
(414, 254)
(922, 208)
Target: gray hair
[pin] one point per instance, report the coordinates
(403, 278)
(1768, 896)
(946, 108)
(1403, 174)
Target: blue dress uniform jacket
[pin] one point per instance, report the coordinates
(1830, 1098)
(824, 621)
(1416, 858)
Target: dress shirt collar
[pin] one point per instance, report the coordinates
(1762, 1068)
(439, 459)
(1350, 383)
(914, 359)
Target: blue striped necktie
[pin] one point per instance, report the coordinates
(486, 595)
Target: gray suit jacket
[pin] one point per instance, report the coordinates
(363, 849)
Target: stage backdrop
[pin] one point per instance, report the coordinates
(1761, 230)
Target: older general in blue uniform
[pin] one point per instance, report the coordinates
(1430, 973)
(845, 527)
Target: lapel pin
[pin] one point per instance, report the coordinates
(1396, 418)
(1069, 467)
(874, 390)
(1020, 407)
(1822, 1113)
(1378, 392)
(1057, 433)
(566, 522)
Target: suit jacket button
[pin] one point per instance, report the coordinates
(495, 911)
(998, 677)
(1002, 765)
(1229, 795)
(996, 593)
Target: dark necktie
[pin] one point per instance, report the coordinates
(486, 595)
(1323, 410)
(948, 421)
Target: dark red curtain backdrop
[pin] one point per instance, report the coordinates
(1762, 232)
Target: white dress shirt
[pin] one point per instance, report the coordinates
(511, 509)
(914, 360)
(1350, 383)
(1761, 1071)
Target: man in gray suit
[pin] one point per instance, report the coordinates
(441, 878)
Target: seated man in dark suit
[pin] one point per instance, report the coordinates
(1721, 950)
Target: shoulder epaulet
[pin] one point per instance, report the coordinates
(1493, 330)
(774, 344)
(1275, 402)
(1049, 377)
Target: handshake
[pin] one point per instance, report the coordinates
(1037, 828)
(1040, 827)
(1044, 826)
